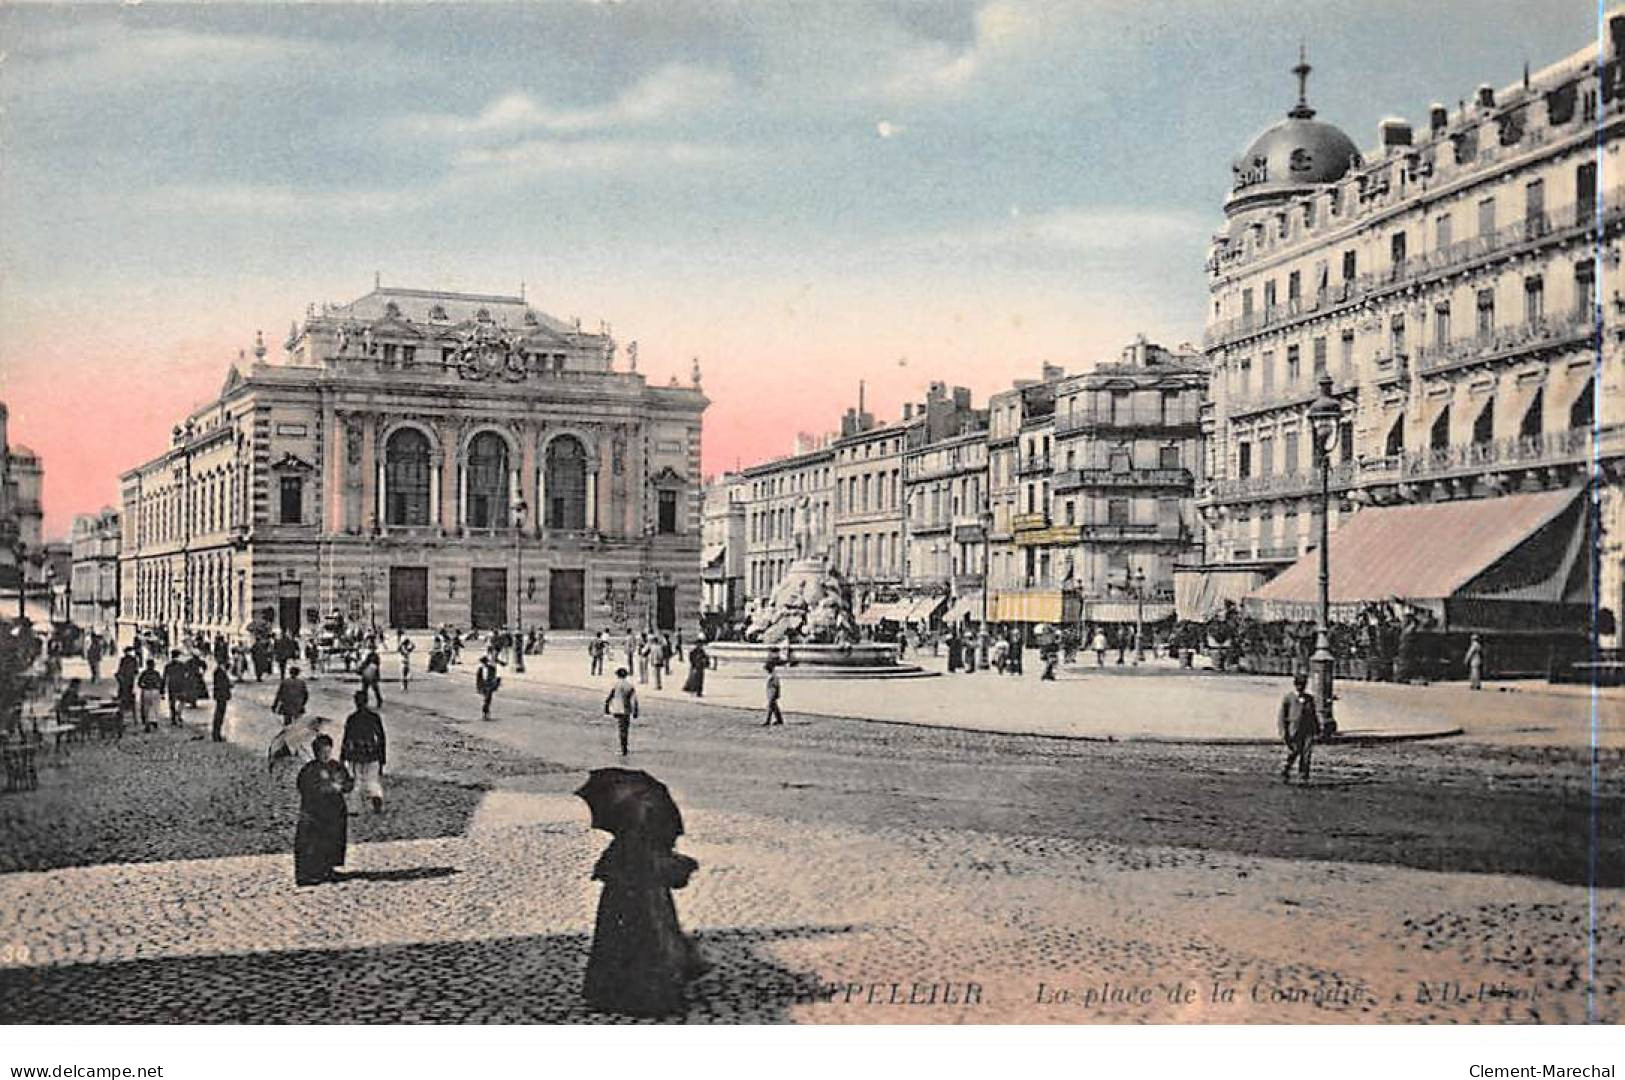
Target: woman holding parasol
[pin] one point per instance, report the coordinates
(641, 960)
(322, 834)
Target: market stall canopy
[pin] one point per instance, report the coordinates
(1126, 611)
(923, 609)
(1035, 606)
(1512, 562)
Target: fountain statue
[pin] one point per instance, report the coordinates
(809, 606)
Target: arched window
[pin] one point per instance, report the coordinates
(487, 475)
(566, 484)
(406, 478)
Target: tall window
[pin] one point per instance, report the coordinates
(1486, 217)
(1266, 455)
(1484, 423)
(667, 520)
(1293, 364)
(1244, 460)
(1583, 411)
(1396, 437)
(1534, 206)
(1585, 189)
(487, 479)
(1396, 336)
(1439, 436)
(1168, 457)
(1289, 447)
(1585, 288)
(1267, 372)
(292, 503)
(566, 481)
(1117, 511)
(1534, 417)
(406, 478)
(1442, 232)
(1396, 249)
(1320, 356)
(1346, 353)
(1486, 312)
(1349, 265)
(1441, 325)
(1534, 299)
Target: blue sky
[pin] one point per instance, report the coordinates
(799, 194)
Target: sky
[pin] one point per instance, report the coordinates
(801, 195)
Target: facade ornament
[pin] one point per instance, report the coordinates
(694, 373)
(259, 346)
(632, 356)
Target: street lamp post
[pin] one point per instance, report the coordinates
(1324, 415)
(20, 550)
(1139, 614)
(987, 584)
(519, 509)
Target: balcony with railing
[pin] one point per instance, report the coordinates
(1573, 327)
(1283, 484)
(1123, 531)
(1034, 463)
(1171, 423)
(1567, 447)
(1552, 226)
(1072, 479)
(1029, 522)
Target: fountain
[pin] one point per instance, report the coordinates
(807, 626)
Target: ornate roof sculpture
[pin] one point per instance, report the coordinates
(1292, 156)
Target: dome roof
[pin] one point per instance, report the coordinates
(1291, 156)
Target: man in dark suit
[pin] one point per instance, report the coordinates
(1299, 725)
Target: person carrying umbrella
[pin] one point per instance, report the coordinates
(363, 750)
(622, 702)
(322, 834)
(641, 961)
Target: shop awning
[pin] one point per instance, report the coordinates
(967, 606)
(1034, 606)
(1199, 594)
(1126, 611)
(885, 611)
(923, 609)
(714, 555)
(1458, 559)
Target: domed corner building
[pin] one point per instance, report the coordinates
(1445, 280)
(418, 458)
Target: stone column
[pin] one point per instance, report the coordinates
(592, 493)
(525, 478)
(332, 502)
(446, 470)
(437, 460)
(369, 472)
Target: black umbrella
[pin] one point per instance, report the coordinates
(631, 801)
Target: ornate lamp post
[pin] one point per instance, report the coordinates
(19, 551)
(519, 509)
(1324, 415)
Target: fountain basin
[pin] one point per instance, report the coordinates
(863, 660)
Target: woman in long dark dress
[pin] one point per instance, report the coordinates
(698, 661)
(323, 831)
(641, 960)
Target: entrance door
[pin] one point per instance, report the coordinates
(666, 607)
(488, 598)
(288, 614)
(567, 600)
(409, 597)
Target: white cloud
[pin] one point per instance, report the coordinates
(1003, 28)
(1078, 231)
(663, 93)
(287, 201)
(538, 156)
(95, 56)
(886, 129)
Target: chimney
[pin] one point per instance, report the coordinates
(908, 410)
(1486, 96)
(1053, 372)
(1395, 133)
(962, 398)
(860, 397)
(1438, 118)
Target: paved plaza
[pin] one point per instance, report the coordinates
(851, 871)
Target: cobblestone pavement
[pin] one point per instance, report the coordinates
(991, 878)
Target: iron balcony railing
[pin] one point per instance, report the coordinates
(1553, 224)
(1275, 485)
(1071, 479)
(1543, 332)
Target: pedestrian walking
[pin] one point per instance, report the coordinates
(363, 751)
(151, 683)
(93, 657)
(645, 646)
(630, 647)
(129, 669)
(177, 678)
(698, 661)
(659, 658)
(1475, 663)
(673, 649)
(292, 695)
(285, 652)
(774, 714)
(405, 648)
(1298, 726)
(372, 676)
(260, 654)
(322, 835)
(222, 694)
(486, 683)
(622, 703)
(597, 651)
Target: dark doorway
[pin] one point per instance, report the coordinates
(666, 607)
(488, 598)
(288, 613)
(566, 600)
(409, 597)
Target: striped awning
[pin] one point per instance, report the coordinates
(924, 609)
(1038, 606)
(884, 611)
(1126, 611)
(1521, 547)
(968, 606)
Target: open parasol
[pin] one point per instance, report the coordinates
(631, 801)
(294, 739)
